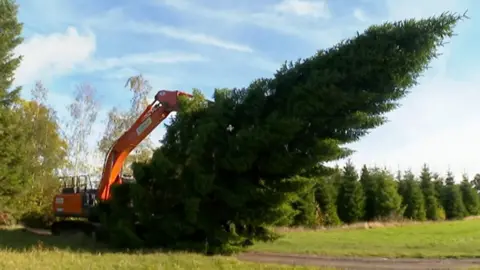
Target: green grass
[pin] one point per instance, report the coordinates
(454, 239)
(24, 250)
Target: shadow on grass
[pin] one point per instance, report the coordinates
(19, 239)
(22, 240)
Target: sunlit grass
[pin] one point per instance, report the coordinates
(442, 239)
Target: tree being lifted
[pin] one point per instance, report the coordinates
(216, 189)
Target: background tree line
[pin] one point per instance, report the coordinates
(375, 194)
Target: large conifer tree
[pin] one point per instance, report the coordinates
(229, 169)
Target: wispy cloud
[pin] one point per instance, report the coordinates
(185, 35)
(116, 19)
(300, 18)
(315, 9)
(161, 57)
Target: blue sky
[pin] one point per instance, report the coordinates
(185, 44)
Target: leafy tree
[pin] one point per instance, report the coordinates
(469, 196)
(216, 189)
(45, 131)
(412, 198)
(41, 151)
(350, 200)
(428, 189)
(370, 189)
(46, 153)
(388, 203)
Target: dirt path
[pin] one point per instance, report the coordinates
(360, 263)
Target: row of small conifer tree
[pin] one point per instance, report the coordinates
(377, 194)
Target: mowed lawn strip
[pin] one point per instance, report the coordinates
(24, 251)
(454, 239)
(53, 260)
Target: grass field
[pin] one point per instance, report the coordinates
(454, 239)
(24, 250)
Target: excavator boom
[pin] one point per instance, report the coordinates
(78, 202)
(165, 102)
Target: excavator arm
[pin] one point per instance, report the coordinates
(165, 102)
(72, 202)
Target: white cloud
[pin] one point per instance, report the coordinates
(360, 15)
(46, 56)
(49, 56)
(315, 9)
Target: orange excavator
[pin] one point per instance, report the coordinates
(79, 196)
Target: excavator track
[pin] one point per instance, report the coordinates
(75, 226)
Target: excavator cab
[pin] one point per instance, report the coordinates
(76, 197)
(75, 184)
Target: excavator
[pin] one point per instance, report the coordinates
(75, 205)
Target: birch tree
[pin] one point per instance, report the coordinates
(39, 95)
(83, 112)
(119, 121)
